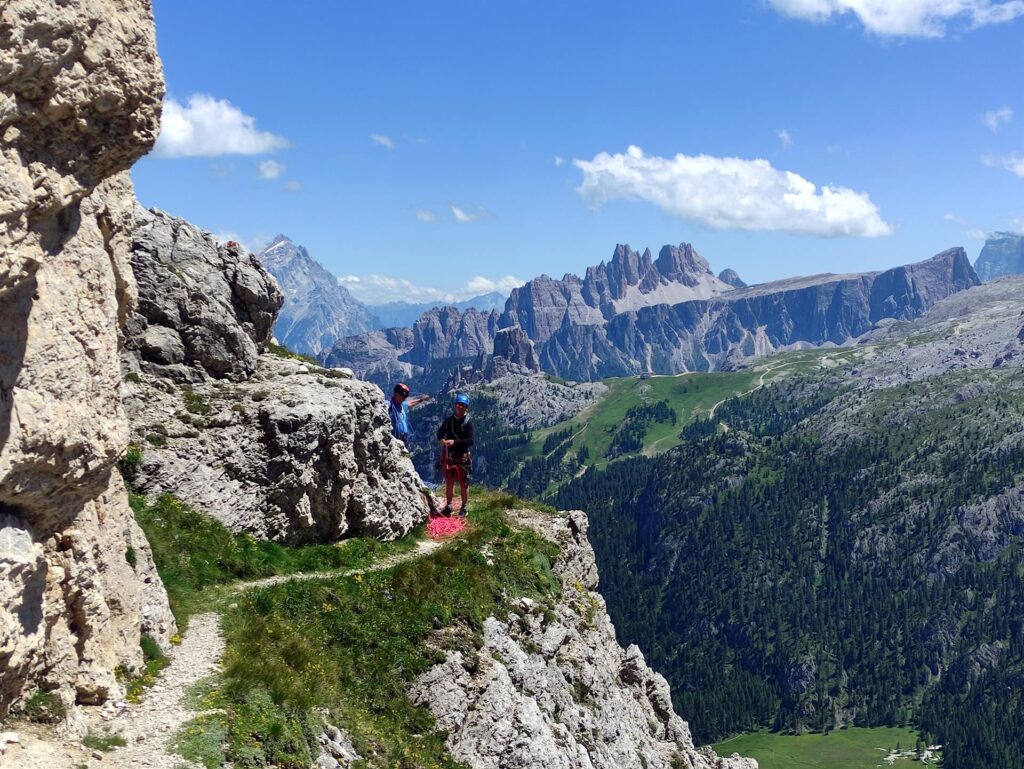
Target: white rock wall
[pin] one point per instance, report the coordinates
(80, 93)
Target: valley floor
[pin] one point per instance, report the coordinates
(853, 748)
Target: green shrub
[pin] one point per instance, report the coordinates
(44, 708)
(104, 741)
(129, 462)
(194, 402)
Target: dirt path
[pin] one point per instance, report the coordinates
(760, 383)
(148, 725)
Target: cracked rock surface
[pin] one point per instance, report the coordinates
(80, 94)
(273, 446)
(551, 687)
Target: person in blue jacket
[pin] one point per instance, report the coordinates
(398, 410)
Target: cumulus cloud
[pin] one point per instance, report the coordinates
(382, 140)
(293, 186)
(998, 117)
(378, 289)
(559, 160)
(1013, 163)
(906, 18)
(271, 169)
(730, 194)
(461, 215)
(785, 138)
(424, 215)
(207, 127)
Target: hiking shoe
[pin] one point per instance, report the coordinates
(462, 512)
(446, 511)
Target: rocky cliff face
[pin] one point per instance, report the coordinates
(317, 310)
(717, 333)
(445, 332)
(1002, 255)
(275, 447)
(629, 281)
(204, 310)
(554, 689)
(80, 94)
(374, 356)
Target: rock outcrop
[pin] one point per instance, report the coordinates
(722, 332)
(374, 356)
(80, 94)
(1003, 254)
(317, 309)
(445, 332)
(203, 309)
(551, 687)
(731, 277)
(276, 447)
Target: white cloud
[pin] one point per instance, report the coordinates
(481, 285)
(271, 169)
(207, 127)
(785, 138)
(1013, 163)
(997, 117)
(382, 140)
(559, 160)
(906, 18)
(378, 289)
(293, 186)
(730, 194)
(424, 215)
(970, 230)
(462, 216)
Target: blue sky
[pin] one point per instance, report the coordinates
(451, 145)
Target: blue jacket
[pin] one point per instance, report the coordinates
(400, 427)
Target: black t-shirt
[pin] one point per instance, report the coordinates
(459, 430)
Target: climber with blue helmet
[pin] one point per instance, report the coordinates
(456, 435)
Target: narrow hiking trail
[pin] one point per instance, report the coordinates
(760, 383)
(148, 726)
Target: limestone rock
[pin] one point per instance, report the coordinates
(295, 453)
(552, 688)
(1003, 254)
(80, 94)
(208, 306)
(273, 446)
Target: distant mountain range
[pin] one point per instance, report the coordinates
(395, 314)
(318, 310)
(1003, 254)
(668, 315)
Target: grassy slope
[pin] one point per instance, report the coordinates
(845, 749)
(690, 395)
(349, 646)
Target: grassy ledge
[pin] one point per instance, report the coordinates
(346, 649)
(195, 554)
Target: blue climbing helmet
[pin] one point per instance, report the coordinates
(463, 399)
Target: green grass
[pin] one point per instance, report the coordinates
(283, 352)
(853, 748)
(104, 741)
(354, 644)
(194, 553)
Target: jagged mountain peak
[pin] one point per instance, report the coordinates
(318, 310)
